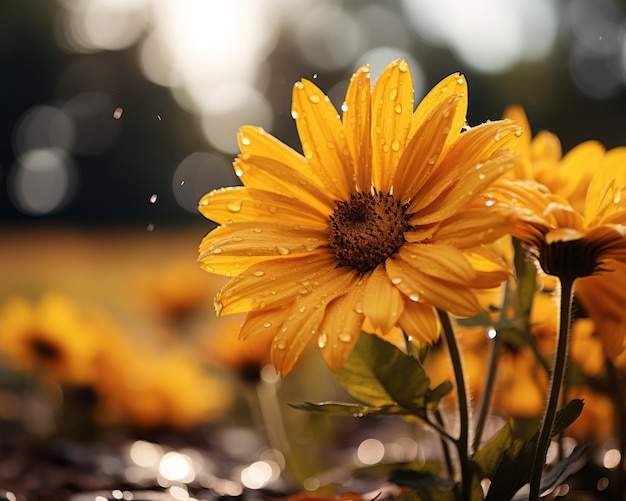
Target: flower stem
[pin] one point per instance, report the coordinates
(558, 375)
(462, 442)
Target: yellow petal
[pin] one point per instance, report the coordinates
(341, 326)
(461, 193)
(577, 167)
(490, 270)
(419, 321)
(273, 283)
(238, 203)
(302, 324)
(383, 303)
(266, 322)
(424, 149)
(453, 85)
(268, 174)
(471, 149)
(442, 294)
(323, 140)
(476, 225)
(236, 246)
(356, 124)
(392, 112)
(438, 260)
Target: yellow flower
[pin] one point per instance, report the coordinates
(542, 160)
(379, 218)
(52, 338)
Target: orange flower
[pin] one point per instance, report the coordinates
(53, 338)
(378, 219)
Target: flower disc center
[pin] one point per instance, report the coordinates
(367, 229)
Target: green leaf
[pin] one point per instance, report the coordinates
(349, 409)
(514, 469)
(436, 394)
(379, 374)
(490, 455)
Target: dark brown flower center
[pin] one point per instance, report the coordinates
(367, 229)
(44, 350)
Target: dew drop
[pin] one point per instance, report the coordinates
(153, 198)
(294, 114)
(218, 250)
(432, 160)
(481, 176)
(234, 205)
(258, 273)
(345, 337)
(396, 280)
(393, 94)
(302, 309)
(395, 145)
(497, 137)
(460, 81)
(280, 344)
(262, 305)
(314, 98)
(398, 108)
(238, 172)
(403, 66)
(617, 198)
(272, 209)
(245, 141)
(267, 325)
(519, 132)
(358, 308)
(414, 297)
(322, 340)
(444, 89)
(344, 107)
(237, 240)
(446, 113)
(218, 307)
(299, 85)
(283, 251)
(257, 230)
(303, 290)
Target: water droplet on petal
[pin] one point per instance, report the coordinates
(396, 280)
(414, 297)
(519, 131)
(403, 66)
(617, 198)
(345, 337)
(395, 145)
(322, 340)
(218, 307)
(302, 309)
(294, 114)
(245, 141)
(303, 290)
(267, 325)
(393, 94)
(258, 273)
(344, 107)
(234, 205)
(314, 98)
(262, 305)
(398, 108)
(280, 344)
(460, 81)
(358, 308)
(283, 251)
(218, 250)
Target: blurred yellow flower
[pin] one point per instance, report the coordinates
(145, 387)
(53, 338)
(379, 218)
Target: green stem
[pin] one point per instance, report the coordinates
(558, 375)
(462, 443)
(444, 444)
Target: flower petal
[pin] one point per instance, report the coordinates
(266, 321)
(238, 203)
(442, 294)
(302, 324)
(425, 147)
(452, 85)
(383, 303)
(439, 260)
(341, 326)
(392, 112)
(419, 321)
(470, 165)
(476, 225)
(323, 140)
(269, 174)
(236, 246)
(356, 124)
(273, 283)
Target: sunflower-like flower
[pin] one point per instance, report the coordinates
(380, 218)
(576, 238)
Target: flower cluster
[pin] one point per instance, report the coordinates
(397, 221)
